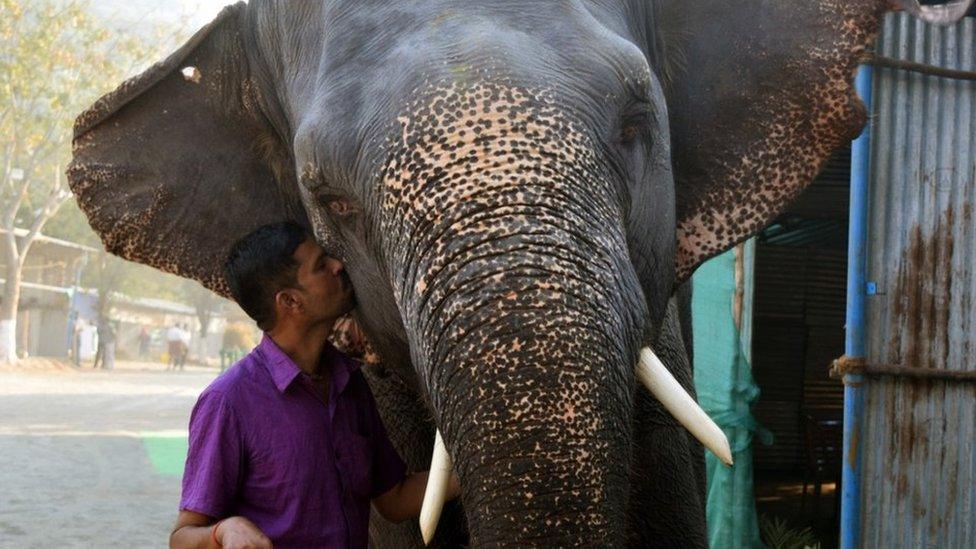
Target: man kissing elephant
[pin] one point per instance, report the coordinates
(516, 188)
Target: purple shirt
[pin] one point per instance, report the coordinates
(264, 445)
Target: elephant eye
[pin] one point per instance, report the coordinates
(341, 207)
(629, 133)
(635, 122)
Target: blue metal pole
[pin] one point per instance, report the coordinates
(850, 510)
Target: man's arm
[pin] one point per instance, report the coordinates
(404, 500)
(193, 531)
(210, 479)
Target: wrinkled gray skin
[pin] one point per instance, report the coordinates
(499, 179)
(666, 503)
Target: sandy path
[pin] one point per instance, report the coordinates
(92, 459)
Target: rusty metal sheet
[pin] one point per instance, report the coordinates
(918, 444)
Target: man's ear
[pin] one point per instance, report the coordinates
(288, 301)
(180, 161)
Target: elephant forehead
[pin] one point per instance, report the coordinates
(473, 130)
(489, 145)
(488, 161)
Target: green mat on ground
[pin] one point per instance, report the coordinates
(167, 453)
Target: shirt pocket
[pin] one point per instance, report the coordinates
(356, 464)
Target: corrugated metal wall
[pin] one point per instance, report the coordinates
(919, 456)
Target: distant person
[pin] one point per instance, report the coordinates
(77, 334)
(143, 339)
(99, 346)
(268, 463)
(105, 352)
(184, 344)
(108, 357)
(174, 345)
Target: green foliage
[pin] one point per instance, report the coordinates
(777, 534)
(57, 59)
(142, 281)
(238, 335)
(71, 224)
(206, 303)
(131, 279)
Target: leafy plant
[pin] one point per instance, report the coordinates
(238, 335)
(777, 533)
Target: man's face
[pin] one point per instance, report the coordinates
(323, 281)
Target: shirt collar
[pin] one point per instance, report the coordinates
(283, 369)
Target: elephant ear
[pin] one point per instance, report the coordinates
(765, 96)
(179, 162)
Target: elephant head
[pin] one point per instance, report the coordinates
(516, 189)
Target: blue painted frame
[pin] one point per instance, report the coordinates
(854, 389)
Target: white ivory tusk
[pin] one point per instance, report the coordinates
(436, 492)
(676, 400)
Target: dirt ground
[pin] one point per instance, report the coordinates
(92, 458)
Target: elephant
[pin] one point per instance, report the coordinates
(518, 190)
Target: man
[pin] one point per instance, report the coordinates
(105, 351)
(184, 344)
(143, 339)
(287, 446)
(79, 332)
(174, 345)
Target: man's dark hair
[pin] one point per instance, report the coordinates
(260, 265)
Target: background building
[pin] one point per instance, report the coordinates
(52, 300)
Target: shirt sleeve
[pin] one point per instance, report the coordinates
(388, 468)
(213, 461)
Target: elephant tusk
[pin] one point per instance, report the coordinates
(436, 491)
(676, 400)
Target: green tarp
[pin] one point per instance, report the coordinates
(723, 379)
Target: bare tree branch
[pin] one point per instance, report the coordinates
(17, 198)
(54, 202)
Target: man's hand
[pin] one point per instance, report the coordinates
(193, 530)
(404, 500)
(240, 533)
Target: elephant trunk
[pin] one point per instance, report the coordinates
(504, 235)
(534, 399)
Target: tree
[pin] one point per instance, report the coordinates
(206, 304)
(55, 60)
(108, 275)
(15, 248)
